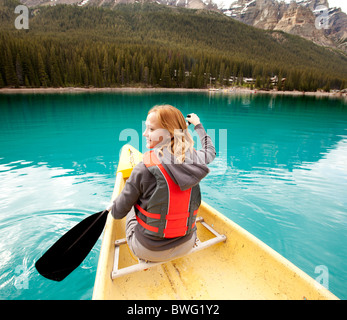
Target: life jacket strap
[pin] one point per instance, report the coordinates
(146, 213)
(145, 225)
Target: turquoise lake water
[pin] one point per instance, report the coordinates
(280, 173)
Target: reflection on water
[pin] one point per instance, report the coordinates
(38, 204)
(280, 173)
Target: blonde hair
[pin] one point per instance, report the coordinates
(172, 119)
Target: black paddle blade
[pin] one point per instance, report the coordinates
(71, 249)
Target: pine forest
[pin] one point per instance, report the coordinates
(150, 45)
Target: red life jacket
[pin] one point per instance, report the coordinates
(170, 212)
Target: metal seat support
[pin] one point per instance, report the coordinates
(143, 265)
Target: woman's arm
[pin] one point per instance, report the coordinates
(208, 152)
(128, 197)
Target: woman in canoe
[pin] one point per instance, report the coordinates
(162, 195)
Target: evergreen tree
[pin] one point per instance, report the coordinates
(180, 77)
(10, 73)
(258, 82)
(43, 78)
(165, 77)
(221, 73)
(19, 70)
(145, 76)
(2, 83)
(279, 82)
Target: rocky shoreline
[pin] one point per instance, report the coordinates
(234, 90)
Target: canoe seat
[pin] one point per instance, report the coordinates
(143, 265)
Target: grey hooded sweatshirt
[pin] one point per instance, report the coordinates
(141, 185)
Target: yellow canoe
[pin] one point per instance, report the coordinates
(230, 263)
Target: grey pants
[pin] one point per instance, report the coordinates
(145, 254)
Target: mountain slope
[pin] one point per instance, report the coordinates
(300, 17)
(188, 47)
(311, 19)
(190, 4)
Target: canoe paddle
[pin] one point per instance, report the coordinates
(71, 249)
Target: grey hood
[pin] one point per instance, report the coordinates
(186, 174)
